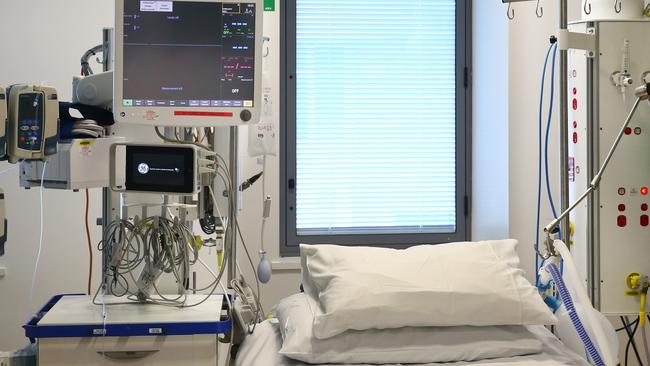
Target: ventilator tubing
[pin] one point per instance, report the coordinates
(573, 314)
(571, 273)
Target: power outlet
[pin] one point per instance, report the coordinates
(4, 361)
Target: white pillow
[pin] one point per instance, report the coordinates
(428, 285)
(404, 345)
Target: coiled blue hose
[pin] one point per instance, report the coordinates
(573, 314)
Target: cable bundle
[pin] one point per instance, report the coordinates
(87, 128)
(155, 246)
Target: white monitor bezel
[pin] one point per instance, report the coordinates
(192, 116)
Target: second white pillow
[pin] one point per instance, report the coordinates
(477, 284)
(395, 346)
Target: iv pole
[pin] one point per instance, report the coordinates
(231, 233)
(564, 131)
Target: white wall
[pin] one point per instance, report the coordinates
(42, 43)
(489, 121)
(528, 38)
(528, 42)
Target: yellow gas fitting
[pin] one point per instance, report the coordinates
(219, 258)
(642, 318)
(638, 286)
(632, 280)
(199, 242)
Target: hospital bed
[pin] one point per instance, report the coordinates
(261, 349)
(461, 304)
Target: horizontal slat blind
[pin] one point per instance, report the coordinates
(376, 116)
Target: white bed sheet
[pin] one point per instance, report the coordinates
(261, 349)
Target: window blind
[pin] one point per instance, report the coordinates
(375, 117)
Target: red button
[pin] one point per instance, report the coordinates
(645, 220)
(644, 207)
(575, 137)
(575, 124)
(621, 221)
(575, 91)
(621, 207)
(21, 138)
(628, 131)
(575, 104)
(644, 191)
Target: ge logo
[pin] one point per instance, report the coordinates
(143, 168)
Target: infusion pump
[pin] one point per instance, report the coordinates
(33, 122)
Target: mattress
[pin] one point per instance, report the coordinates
(261, 349)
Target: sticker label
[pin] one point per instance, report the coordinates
(269, 5)
(85, 147)
(157, 6)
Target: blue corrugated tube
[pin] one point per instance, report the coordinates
(573, 314)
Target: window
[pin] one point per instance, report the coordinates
(375, 147)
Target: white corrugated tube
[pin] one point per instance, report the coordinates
(582, 298)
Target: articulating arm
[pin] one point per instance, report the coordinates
(642, 94)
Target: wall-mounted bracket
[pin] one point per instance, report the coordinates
(578, 41)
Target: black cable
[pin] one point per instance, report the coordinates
(208, 224)
(627, 347)
(631, 341)
(250, 181)
(246, 184)
(629, 325)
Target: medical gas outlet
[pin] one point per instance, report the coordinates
(638, 285)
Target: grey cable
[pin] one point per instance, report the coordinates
(167, 139)
(226, 182)
(153, 241)
(250, 261)
(85, 66)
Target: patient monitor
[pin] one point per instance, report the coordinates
(161, 169)
(33, 127)
(188, 63)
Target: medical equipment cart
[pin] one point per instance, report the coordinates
(70, 330)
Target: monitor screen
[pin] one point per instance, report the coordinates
(159, 169)
(180, 54)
